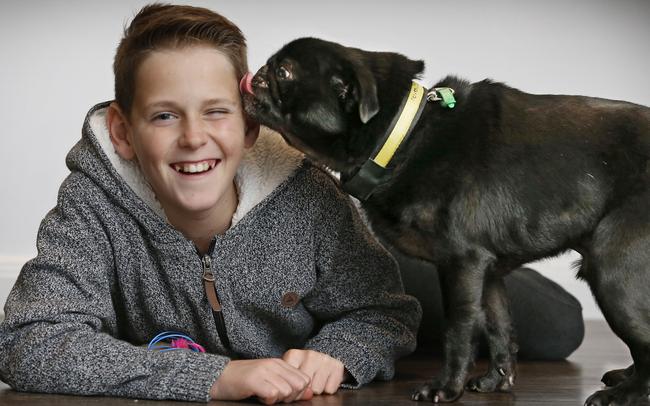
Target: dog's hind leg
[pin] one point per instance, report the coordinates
(499, 334)
(617, 268)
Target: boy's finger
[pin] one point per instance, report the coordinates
(333, 384)
(307, 394)
(276, 389)
(319, 380)
(293, 358)
(294, 375)
(289, 381)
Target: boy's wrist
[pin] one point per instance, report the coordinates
(216, 392)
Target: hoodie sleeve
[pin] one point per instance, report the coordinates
(60, 327)
(367, 320)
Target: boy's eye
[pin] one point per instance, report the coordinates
(163, 117)
(216, 112)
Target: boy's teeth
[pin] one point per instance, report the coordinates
(193, 168)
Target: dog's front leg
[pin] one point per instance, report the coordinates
(462, 287)
(499, 334)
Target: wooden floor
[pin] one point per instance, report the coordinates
(538, 383)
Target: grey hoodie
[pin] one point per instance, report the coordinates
(111, 273)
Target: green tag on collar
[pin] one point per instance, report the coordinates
(447, 95)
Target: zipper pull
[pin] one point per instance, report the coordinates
(207, 269)
(208, 282)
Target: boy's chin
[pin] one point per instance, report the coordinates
(198, 204)
(204, 201)
(183, 203)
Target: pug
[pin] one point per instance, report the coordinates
(478, 179)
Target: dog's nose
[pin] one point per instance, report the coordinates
(259, 78)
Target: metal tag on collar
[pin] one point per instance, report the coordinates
(445, 95)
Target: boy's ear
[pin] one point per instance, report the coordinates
(118, 128)
(251, 132)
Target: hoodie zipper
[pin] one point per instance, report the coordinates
(213, 298)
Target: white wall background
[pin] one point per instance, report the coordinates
(56, 56)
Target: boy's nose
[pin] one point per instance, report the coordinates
(194, 135)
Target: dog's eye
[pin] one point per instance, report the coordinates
(340, 87)
(283, 73)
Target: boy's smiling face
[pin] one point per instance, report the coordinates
(186, 128)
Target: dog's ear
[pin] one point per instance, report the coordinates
(357, 87)
(365, 92)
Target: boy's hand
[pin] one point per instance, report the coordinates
(271, 380)
(326, 373)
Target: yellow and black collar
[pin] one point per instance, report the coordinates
(375, 170)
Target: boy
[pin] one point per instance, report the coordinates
(175, 218)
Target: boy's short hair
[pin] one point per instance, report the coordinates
(164, 26)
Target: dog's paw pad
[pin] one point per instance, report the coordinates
(423, 393)
(433, 392)
(616, 376)
(498, 380)
(628, 393)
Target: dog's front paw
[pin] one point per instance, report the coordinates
(498, 379)
(436, 393)
(616, 376)
(628, 393)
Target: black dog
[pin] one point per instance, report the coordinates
(487, 178)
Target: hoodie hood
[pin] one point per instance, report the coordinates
(264, 167)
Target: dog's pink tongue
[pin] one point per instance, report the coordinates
(246, 84)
